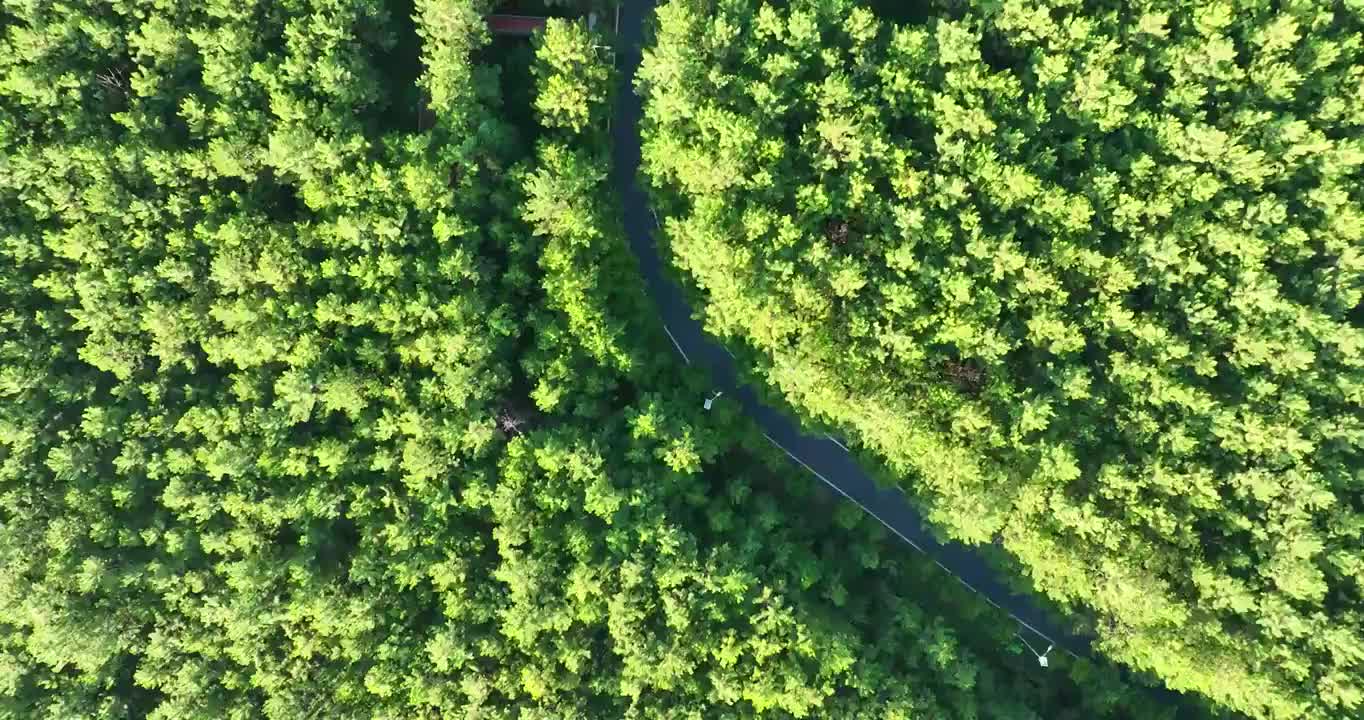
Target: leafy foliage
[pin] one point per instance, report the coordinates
(305, 413)
(1088, 276)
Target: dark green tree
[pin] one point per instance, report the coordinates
(311, 411)
(1086, 276)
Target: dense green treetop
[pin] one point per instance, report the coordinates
(327, 393)
(1088, 277)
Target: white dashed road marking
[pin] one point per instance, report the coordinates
(912, 544)
(677, 345)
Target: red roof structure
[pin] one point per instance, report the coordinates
(515, 24)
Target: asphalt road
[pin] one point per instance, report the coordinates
(824, 457)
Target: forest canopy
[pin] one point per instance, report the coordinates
(327, 390)
(1086, 276)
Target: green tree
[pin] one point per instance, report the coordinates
(1087, 278)
(304, 414)
(572, 82)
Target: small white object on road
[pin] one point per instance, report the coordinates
(888, 526)
(1041, 656)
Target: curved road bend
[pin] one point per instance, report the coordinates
(824, 457)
